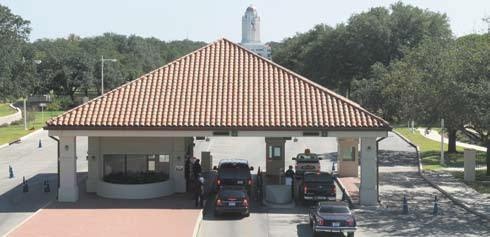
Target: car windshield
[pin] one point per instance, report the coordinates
(334, 209)
(310, 156)
(232, 193)
(322, 177)
(234, 166)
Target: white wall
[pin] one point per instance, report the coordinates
(98, 146)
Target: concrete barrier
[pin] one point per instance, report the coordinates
(135, 191)
(7, 120)
(278, 194)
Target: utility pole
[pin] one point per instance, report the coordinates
(442, 142)
(102, 60)
(25, 114)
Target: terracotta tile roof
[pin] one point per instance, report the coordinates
(221, 85)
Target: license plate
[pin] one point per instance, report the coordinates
(335, 224)
(231, 204)
(239, 182)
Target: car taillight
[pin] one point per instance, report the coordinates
(245, 202)
(350, 221)
(320, 221)
(305, 189)
(218, 182)
(218, 202)
(249, 181)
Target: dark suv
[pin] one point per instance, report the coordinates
(318, 186)
(234, 172)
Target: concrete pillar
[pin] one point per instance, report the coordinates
(469, 165)
(93, 156)
(348, 157)
(368, 194)
(68, 190)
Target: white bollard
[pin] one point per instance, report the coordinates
(469, 165)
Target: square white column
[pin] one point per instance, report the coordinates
(368, 192)
(68, 190)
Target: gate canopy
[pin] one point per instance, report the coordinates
(220, 86)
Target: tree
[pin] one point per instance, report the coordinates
(14, 32)
(473, 61)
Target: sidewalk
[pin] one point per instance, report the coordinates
(351, 185)
(435, 136)
(462, 192)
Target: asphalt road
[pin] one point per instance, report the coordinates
(263, 221)
(37, 165)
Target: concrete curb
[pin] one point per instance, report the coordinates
(27, 219)
(197, 225)
(344, 191)
(448, 195)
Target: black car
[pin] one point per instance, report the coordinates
(234, 172)
(318, 186)
(232, 199)
(332, 217)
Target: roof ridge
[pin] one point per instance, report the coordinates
(316, 85)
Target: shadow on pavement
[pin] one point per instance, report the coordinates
(15, 200)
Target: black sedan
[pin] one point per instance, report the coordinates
(232, 199)
(332, 217)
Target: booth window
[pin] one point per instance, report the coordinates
(135, 168)
(349, 154)
(275, 152)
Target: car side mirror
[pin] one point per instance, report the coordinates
(251, 168)
(294, 158)
(215, 168)
(319, 158)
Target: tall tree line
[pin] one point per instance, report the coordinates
(402, 63)
(71, 65)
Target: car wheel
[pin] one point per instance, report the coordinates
(350, 234)
(246, 214)
(311, 223)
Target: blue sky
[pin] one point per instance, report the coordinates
(208, 20)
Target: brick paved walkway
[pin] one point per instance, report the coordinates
(95, 216)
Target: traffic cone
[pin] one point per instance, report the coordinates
(40, 144)
(25, 186)
(405, 205)
(47, 189)
(11, 172)
(435, 212)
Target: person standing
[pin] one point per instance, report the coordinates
(196, 169)
(187, 172)
(199, 191)
(289, 174)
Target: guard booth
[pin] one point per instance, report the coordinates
(275, 159)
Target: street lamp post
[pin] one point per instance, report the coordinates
(102, 60)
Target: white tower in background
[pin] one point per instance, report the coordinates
(250, 26)
(251, 33)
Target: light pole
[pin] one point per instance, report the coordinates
(37, 62)
(102, 60)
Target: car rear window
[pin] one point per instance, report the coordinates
(232, 193)
(307, 157)
(233, 166)
(318, 177)
(334, 209)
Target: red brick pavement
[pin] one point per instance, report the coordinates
(351, 185)
(95, 216)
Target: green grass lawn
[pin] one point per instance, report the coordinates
(16, 130)
(6, 110)
(431, 151)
